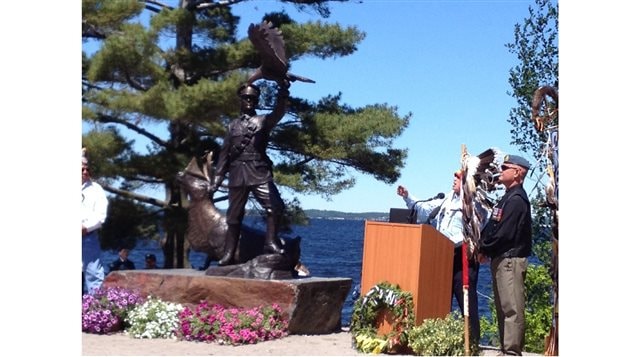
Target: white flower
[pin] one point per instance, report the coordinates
(154, 319)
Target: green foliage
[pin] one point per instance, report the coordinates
(538, 311)
(536, 47)
(542, 234)
(106, 149)
(489, 326)
(294, 214)
(438, 337)
(133, 50)
(321, 40)
(100, 18)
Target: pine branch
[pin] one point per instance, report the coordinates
(134, 196)
(157, 3)
(134, 83)
(205, 5)
(90, 31)
(103, 118)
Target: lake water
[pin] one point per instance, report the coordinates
(330, 248)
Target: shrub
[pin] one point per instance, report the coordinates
(438, 337)
(539, 309)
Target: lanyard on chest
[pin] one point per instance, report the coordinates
(249, 130)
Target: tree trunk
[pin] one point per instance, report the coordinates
(175, 248)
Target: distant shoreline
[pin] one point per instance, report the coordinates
(329, 214)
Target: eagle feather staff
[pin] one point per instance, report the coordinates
(478, 176)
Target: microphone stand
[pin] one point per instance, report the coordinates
(411, 216)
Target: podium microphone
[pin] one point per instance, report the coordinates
(412, 218)
(438, 196)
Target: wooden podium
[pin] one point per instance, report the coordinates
(416, 257)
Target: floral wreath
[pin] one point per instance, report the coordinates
(367, 308)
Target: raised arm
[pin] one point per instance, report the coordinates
(423, 208)
(280, 107)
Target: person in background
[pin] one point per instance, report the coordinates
(151, 261)
(94, 210)
(446, 215)
(243, 156)
(506, 241)
(122, 262)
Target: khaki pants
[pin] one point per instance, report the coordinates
(508, 284)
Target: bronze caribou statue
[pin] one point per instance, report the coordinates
(207, 227)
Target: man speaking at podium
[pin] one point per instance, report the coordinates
(446, 215)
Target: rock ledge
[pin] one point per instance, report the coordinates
(313, 305)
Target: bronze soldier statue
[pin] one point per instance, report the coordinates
(244, 157)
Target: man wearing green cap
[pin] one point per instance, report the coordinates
(506, 240)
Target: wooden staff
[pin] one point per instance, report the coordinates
(467, 234)
(545, 111)
(466, 303)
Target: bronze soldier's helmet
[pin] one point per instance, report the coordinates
(248, 90)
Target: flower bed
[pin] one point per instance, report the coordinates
(116, 309)
(232, 326)
(154, 319)
(105, 310)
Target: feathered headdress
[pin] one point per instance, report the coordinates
(484, 169)
(480, 174)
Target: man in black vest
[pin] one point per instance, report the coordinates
(244, 156)
(506, 240)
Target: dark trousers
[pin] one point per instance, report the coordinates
(266, 194)
(457, 291)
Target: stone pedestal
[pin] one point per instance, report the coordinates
(312, 305)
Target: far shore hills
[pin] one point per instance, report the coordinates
(316, 213)
(326, 214)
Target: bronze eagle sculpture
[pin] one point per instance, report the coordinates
(269, 43)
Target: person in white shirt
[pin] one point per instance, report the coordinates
(446, 215)
(94, 210)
